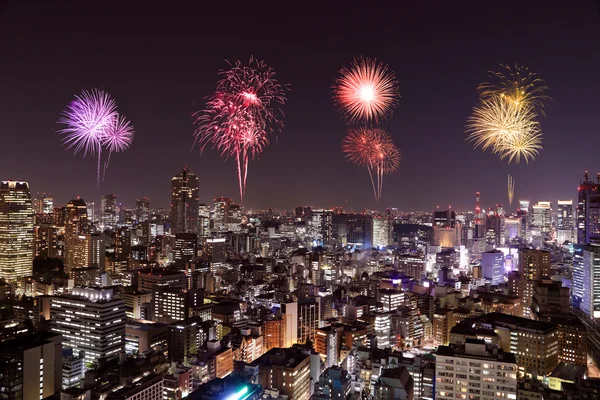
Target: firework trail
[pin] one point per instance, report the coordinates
(374, 149)
(93, 123)
(511, 190)
(366, 90)
(118, 137)
(239, 117)
(507, 128)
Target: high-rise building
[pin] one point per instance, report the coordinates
(524, 213)
(588, 211)
(91, 212)
(492, 266)
(381, 232)
(287, 370)
(533, 265)
(149, 277)
(85, 251)
(76, 224)
(43, 204)
(46, 241)
(535, 344)
(184, 202)
(108, 211)
(31, 367)
(565, 223)
(99, 331)
(185, 248)
(16, 230)
(541, 219)
(222, 211)
(203, 220)
(460, 369)
(445, 218)
(142, 209)
(586, 279)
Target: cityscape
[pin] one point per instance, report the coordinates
(218, 266)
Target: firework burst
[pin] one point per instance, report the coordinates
(374, 149)
(92, 124)
(366, 91)
(506, 128)
(506, 119)
(516, 84)
(239, 117)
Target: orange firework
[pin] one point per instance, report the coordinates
(372, 148)
(366, 90)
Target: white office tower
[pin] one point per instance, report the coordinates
(90, 320)
(565, 223)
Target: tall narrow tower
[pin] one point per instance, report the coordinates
(185, 202)
(478, 219)
(16, 230)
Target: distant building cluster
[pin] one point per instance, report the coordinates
(216, 301)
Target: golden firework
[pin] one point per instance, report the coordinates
(506, 128)
(511, 190)
(516, 84)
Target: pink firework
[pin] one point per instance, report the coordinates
(118, 137)
(90, 125)
(366, 91)
(372, 148)
(240, 115)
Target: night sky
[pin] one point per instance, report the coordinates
(159, 63)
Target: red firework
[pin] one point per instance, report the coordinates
(367, 91)
(372, 148)
(241, 114)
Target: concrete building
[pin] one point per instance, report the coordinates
(533, 265)
(476, 369)
(287, 370)
(492, 266)
(31, 367)
(90, 320)
(333, 384)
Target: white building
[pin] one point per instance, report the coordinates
(476, 370)
(492, 266)
(90, 320)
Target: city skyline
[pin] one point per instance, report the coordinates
(173, 69)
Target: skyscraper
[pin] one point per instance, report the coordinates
(588, 210)
(76, 224)
(16, 230)
(565, 223)
(222, 212)
(184, 202)
(541, 219)
(108, 210)
(142, 209)
(43, 204)
(533, 264)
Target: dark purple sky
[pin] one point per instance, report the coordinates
(159, 62)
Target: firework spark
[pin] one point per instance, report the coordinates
(92, 124)
(239, 117)
(507, 128)
(367, 91)
(511, 190)
(374, 149)
(516, 84)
